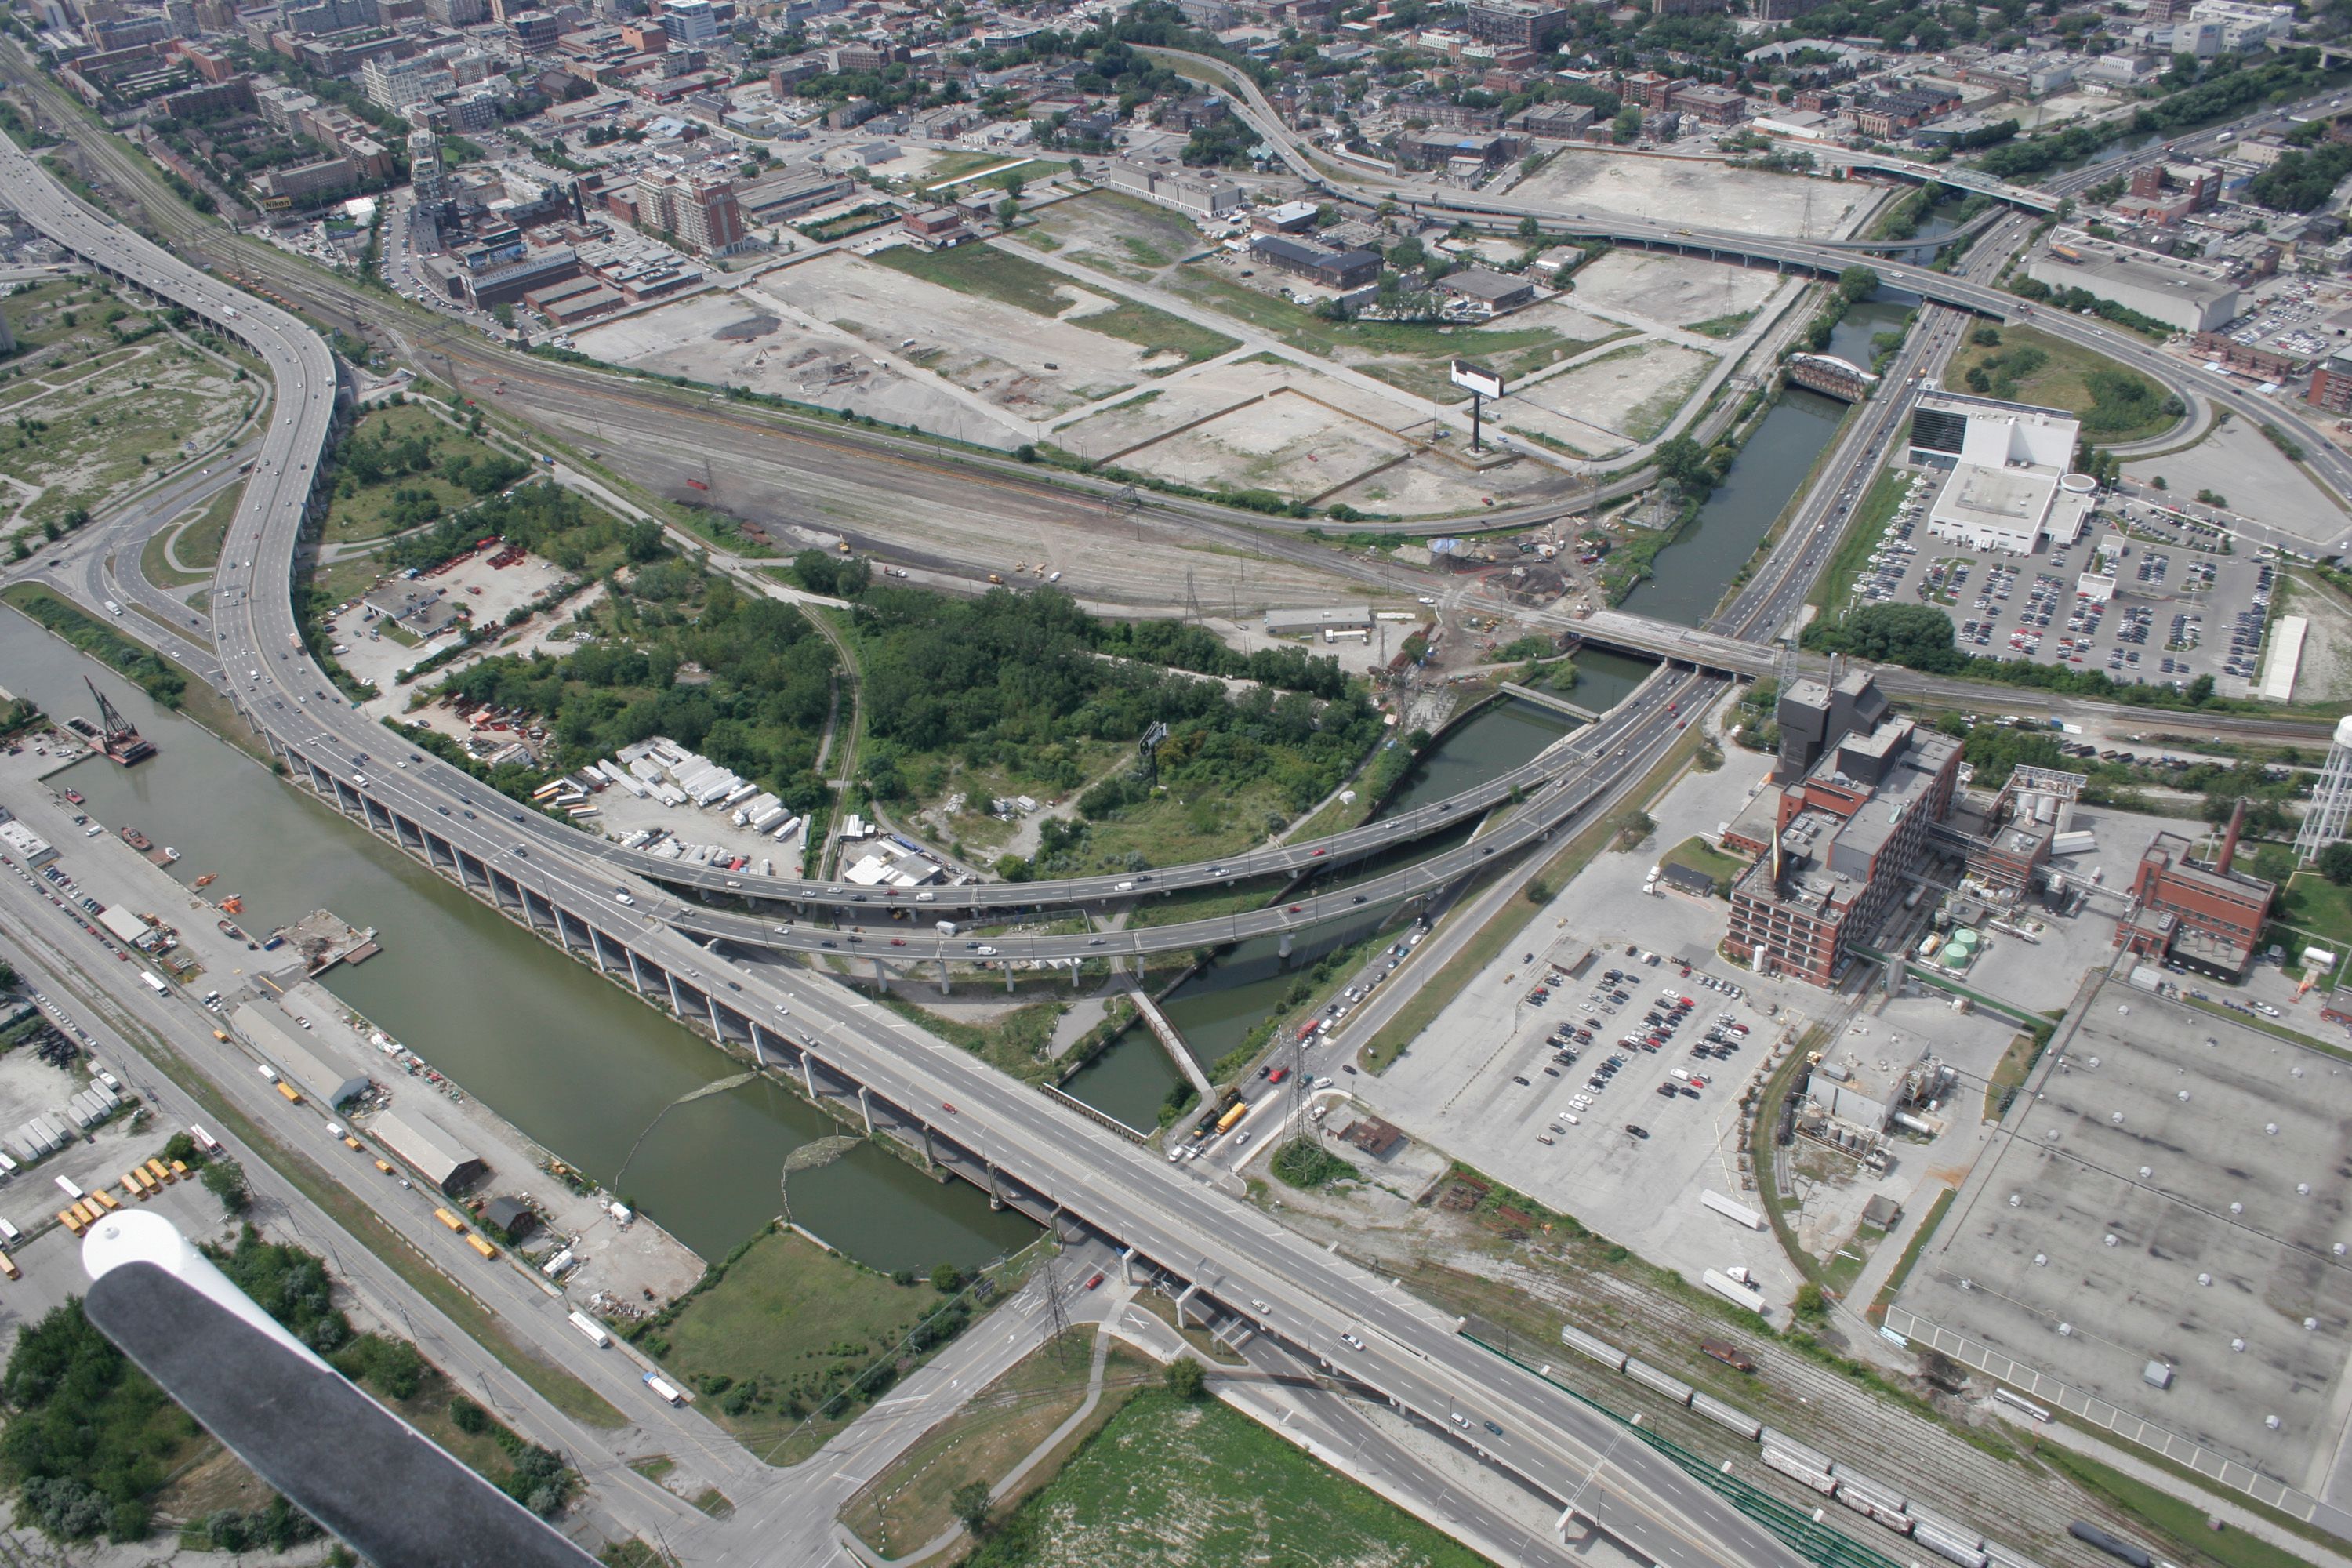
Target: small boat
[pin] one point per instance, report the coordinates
(75, 796)
(233, 931)
(206, 880)
(234, 904)
(170, 854)
(137, 840)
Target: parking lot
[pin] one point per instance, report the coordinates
(2175, 608)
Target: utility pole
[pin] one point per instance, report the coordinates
(1057, 1314)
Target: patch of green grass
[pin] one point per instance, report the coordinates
(1013, 1043)
(2067, 376)
(200, 540)
(1729, 326)
(1170, 1483)
(994, 274)
(1650, 416)
(777, 1331)
(2010, 1072)
(1862, 532)
(1693, 852)
(908, 1504)
(2178, 1520)
(713, 1501)
(654, 1467)
(1910, 1259)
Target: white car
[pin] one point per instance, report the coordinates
(1351, 1340)
(985, 952)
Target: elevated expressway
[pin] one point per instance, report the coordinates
(1025, 1149)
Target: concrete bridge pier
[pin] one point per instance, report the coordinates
(711, 1006)
(596, 951)
(881, 975)
(1283, 949)
(1185, 1301)
(1008, 980)
(677, 1002)
(1126, 1268)
(808, 1076)
(943, 977)
(759, 1056)
(995, 1195)
(866, 1110)
(636, 972)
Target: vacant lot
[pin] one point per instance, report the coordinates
(1177, 1484)
(1123, 235)
(1709, 196)
(1291, 445)
(100, 399)
(1617, 400)
(992, 274)
(1674, 291)
(782, 1328)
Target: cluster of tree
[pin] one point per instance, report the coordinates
(544, 517)
(2228, 86)
(2304, 182)
(384, 458)
(835, 575)
(2076, 301)
(88, 1432)
(1008, 679)
(757, 706)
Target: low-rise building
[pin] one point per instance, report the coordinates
(2190, 296)
(937, 229)
(418, 1142)
(1497, 291)
(2207, 915)
(1332, 269)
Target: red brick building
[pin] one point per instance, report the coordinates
(2208, 917)
(1847, 833)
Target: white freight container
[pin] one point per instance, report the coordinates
(597, 1334)
(1738, 1213)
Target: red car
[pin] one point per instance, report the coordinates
(1314, 853)
(1298, 909)
(1095, 1280)
(1278, 1075)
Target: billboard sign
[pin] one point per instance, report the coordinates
(1477, 378)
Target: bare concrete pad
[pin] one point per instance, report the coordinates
(2174, 1192)
(998, 351)
(1711, 196)
(1285, 443)
(1679, 290)
(727, 338)
(2238, 462)
(1623, 397)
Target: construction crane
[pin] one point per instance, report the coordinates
(118, 738)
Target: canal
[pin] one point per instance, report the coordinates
(1692, 575)
(531, 1034)
(1216, 1008)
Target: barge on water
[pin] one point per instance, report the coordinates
(114, 735)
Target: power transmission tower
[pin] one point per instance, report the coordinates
(1191, 600)
(1057, 1313)
(1132, 505)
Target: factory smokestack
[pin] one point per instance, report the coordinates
(2230, 839)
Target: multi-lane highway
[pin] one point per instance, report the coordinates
(1320, 1304)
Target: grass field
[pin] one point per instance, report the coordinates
(1013, 1044)
(1010, 279)
(1168, 1485)
(200, 538)
(1125, 226)
(907, 1504)
(1694, 853)
(779, 1329)
(373, 511)
(2062, 381)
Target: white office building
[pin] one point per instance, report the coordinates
(690, 21)
(2186, 295)
(2009, 487)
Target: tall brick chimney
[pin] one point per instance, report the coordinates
(2230, 839)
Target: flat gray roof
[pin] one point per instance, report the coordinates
(2173, 1189)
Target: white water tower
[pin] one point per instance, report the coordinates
(2331, 798)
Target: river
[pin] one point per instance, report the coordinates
(527, 1031)
(1216, 1009)
(1692, 575)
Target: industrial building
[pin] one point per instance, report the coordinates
(24, 846)
(1332, 269)
(304, 1062)
(2190, 296)
(423, 1147)
(2009, 486)
(1860, 789)
(1307, 623)
(2206, 915)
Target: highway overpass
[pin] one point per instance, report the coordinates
(1021, 1146)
